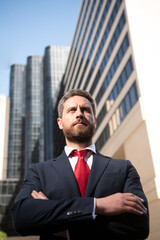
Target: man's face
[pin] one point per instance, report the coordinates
(78, 121)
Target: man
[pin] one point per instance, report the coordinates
(55, 205)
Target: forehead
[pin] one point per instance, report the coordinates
(77, 101)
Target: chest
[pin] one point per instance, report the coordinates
(60, 183)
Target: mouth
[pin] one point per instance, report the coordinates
(80, 123)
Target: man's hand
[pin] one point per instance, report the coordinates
(120, 203)
(38, 195)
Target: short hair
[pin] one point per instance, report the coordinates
(72, 93)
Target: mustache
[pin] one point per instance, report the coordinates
(80, 121)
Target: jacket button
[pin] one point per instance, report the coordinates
(79, 211)
(69, 213)
(73, 213)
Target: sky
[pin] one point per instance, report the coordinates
(27, 27)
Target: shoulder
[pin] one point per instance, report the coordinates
(120, 165)
(115, 162)
(48, 163)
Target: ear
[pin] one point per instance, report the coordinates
(59, 121)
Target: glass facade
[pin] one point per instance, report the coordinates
(33, 93)
(59, 140)
(118, 116)
(84, 35)
(122, 79)
(99, 8)
(15, 166)
(103, 40)
(78, 31)
(108, 54)
(113, 68)
(89, 39)
(54, 66)
(34, 143)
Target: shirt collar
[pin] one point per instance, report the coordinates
(68, 150)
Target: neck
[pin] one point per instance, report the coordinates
(78, 146)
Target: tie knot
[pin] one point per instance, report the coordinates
(81, 153)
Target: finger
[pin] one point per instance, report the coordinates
(137, 201)
(136, 206)
(34, 194)
(135, 196)
(38, 195)
(135, 211)
(41, 194)
(141, 204)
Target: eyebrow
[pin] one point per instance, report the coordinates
(72, 107)
(87, 107)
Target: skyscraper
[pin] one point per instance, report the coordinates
(34, 128)
(114, 56)
(33, 93)
(15, 165)
(54, 67)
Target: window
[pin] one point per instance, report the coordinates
(133, 94)
(118, 116)
(114, 65)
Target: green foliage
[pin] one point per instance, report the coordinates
(3, 235)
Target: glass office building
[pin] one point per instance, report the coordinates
(112, 56)
(34, 129)
(15, 167)
(33, 93)
(54, 67)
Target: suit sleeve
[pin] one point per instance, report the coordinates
(130, 226)
(36, 216)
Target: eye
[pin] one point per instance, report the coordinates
(70, 110)
(86, 109)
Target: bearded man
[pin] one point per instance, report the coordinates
(81, 194)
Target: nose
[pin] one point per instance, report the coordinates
(79, 113)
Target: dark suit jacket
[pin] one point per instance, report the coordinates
(66, 209)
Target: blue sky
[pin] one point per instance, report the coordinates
(28, 26)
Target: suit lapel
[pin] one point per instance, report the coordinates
(99, 165)
(65, 171)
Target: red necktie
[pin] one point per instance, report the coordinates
(81, 170)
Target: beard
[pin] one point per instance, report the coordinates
(80, 134)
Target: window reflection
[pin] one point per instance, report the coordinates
(118, 116)
(115, 92)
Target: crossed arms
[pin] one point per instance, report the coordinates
(115, 204)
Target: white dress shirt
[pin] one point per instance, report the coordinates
(73, 159)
